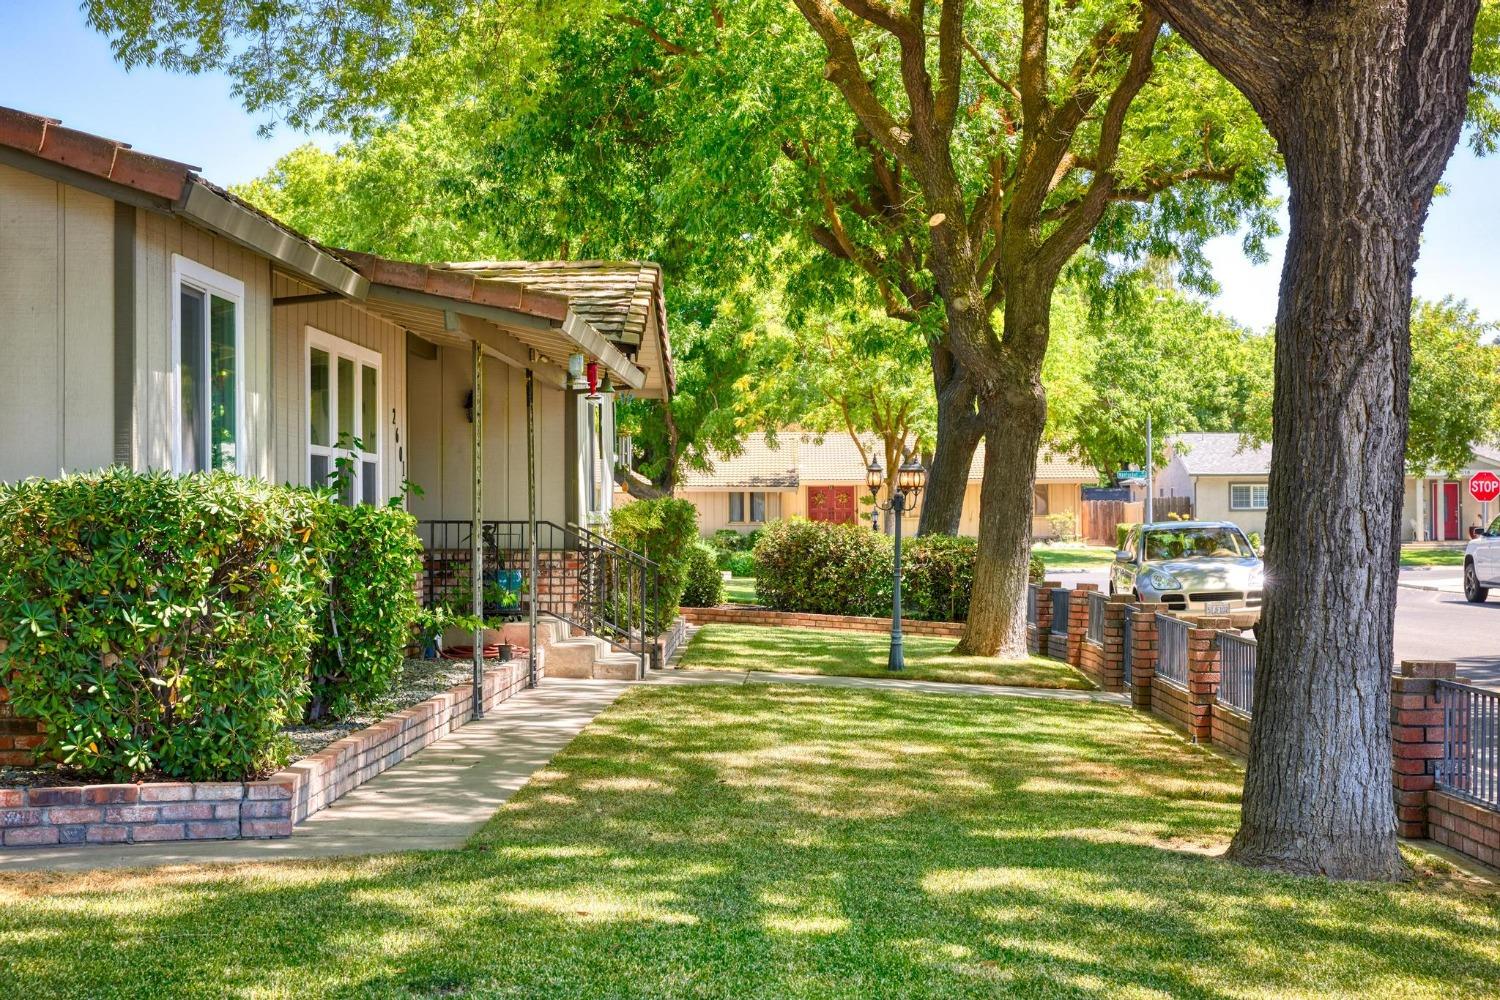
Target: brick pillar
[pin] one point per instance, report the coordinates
(1143, 652)
(1078, 621)
(1203, 676)
(18, 737)
(1043, 617)
(1112, 670)
(1416, 739)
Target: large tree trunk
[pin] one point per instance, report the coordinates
(959, 430)
(1014, 411)
(1366, 103)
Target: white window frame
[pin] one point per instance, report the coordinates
(1262, 489)
(205, 279)
(336, 347)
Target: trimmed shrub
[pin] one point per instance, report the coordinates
(832, 569)
(937, 577)
(739, 563)
(157, 622)
(665, 531)
(705, 584)
(1036, 570)
(373, 556)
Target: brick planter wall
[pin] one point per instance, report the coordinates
(210, 810)
(851, 623)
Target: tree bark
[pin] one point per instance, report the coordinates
(1366, 105)
(1014, 412)
(959, 430)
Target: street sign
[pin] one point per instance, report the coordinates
(1484, 486)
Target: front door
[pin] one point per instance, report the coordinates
(834, 504)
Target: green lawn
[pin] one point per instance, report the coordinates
(863, 654)
(1431, 555)
(1069, 556)
(740, 590)
(781, 841)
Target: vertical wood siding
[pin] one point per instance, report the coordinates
(56, 323)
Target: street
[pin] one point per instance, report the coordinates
(1431, 624)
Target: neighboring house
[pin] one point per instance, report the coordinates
(1228, 482)
(822, 478)
(153, 320)
(1223, 476)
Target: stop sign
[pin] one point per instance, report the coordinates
(1484, 486)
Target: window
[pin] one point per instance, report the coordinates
(207, 344)
(343, 417)
(741, 504)
(1039, 505)
(1248, 496)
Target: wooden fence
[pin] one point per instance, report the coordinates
(1097, 518)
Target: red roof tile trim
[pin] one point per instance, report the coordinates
(93, 154)
(454, 285)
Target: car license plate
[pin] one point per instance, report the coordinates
(1216, 608)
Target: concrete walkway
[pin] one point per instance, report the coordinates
(434, 801)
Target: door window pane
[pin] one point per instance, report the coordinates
(346, 402)
(319, 470)
(369, 431)
(318, 398)
(369, 482)
(193, 430)
(224, 387)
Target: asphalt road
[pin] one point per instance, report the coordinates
(1430, 624)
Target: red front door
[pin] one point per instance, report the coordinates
(1445, 511)
(831, 503)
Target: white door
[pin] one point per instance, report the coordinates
(343, 418)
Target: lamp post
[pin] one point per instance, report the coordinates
(910, 478)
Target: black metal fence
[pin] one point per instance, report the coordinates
(579, 576)
(1171, 649)
(1470, 765)
(1237, 671)
(1060, 599)
(1127, 649)
(1031, 604)
(1098, 600)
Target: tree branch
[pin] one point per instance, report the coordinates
(844, 72)
(667, 45)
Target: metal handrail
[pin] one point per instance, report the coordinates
(1237, 656)
(1470, 766)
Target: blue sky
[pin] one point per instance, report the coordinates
(52, 64)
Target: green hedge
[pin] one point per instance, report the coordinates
(738, 563)
(159, 623)
(705, 583)
(665, 531)
(937, 577)
(373, 556)
(833, 569)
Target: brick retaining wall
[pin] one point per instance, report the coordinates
(852, 623)
(1170, 701)
(1464, 827)
(1231, 730)
(213, 810)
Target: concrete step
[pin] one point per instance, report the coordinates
(572, 657)
(618, 667)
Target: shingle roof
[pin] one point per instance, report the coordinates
(616, 297)
(799, 457)
(1221, 454)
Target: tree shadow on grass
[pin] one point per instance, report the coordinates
(776, 842)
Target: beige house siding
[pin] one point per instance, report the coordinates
(440, 446)
(289, 416)
(1062, 498)
(713, 509)
(157, 238)
(1211, 502)
(57, 324)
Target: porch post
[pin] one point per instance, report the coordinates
(531, 525)
(476, 529)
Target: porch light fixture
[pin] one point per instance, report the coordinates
(911, 477)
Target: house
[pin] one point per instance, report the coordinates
(1227, 479)
(153, 320)
(1224, 475)
(822, 478)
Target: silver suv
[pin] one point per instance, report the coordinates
(1206, 566)
(1482, 563)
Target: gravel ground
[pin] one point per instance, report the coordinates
(419, 680)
